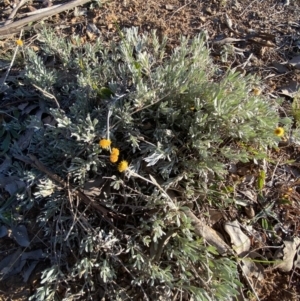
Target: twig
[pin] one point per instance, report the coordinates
(38, 11)
(248, 281)
(226, 41)
(246, 63)
(273, 173)
(107, 123)
(209, 234)
(177, 10)
(247, 8)
(47, 94)
(8, 29)
(13, 13)
(262, 43)
(155, 183)
(11, 63)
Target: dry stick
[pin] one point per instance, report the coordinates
(248, 281)
(177, 10)
(247, 8)
(38, 11)
(262, 43)
(47, 95)
(13, 13)
(8, 29)
(227, 41)
(11, 64)
(209, 234)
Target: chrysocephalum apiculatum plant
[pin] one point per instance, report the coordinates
(135, 121)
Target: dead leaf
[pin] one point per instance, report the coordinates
(251, 195)
(288, 253)
(297, 261)
(96, 187)
(49, 120)
(242, 202)
(290, 90)
(11, 184)
(249, 212)
(240, 241)
(214, 215)
(14, 263)
(90, 35)
(20, 234)
(256, 91)
(295, 62)
(111, 18)
(252, 269)
(11, 264)
(14, 186)
(35, 48)
(228, 22)
(92, 28)
(280, 68)
(33, 255)
(210, 235)
(29, 109)
(5, 164)
(3, 231)
(80, 12)
(169, 7)
(28, 271)
(92, 31)
(22, 106)
(73, 21)
(25, 139)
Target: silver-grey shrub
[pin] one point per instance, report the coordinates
(172, 119)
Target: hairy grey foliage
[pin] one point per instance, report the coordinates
(171, 120)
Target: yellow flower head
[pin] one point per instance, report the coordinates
(123, 165)
(256, 91)
(115, 151)
(279, 131)
(19, 42)
(113, 158)
(105, 143)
